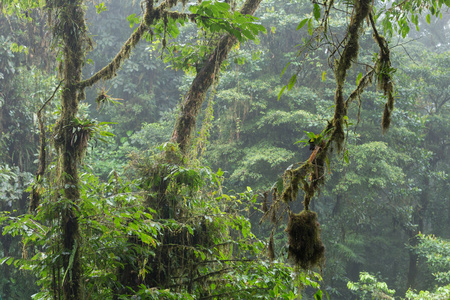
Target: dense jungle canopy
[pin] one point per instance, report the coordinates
(257, 149)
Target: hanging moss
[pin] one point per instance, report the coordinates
(384, 73)
(291, 181)
(81, 95)
(349, 54)
(306, 249)
(270, 250)
(274, 215)
(365, 81)
(264, 207)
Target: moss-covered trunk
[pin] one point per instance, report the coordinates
(72, 30)
(193, 100)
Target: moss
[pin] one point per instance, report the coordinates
(264, 207)
(384, 73)
(306, 249)
(292, 179)
(274, 218)
(35, 198)
(81, 95)
(386, 119)
(270, 249)
(349, 54)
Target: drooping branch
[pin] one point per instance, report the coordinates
(193, 100)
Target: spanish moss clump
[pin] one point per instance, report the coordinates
(386, 119)
(274, 215)
(270, 250)
(81, 95)
(291, 181)
(384, 72)
(264, 207)
(306, 249)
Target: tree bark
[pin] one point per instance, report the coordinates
(192, 102)
(73, 34)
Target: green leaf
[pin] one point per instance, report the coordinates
(318, 295)
(327, 161)
(147, 239)
(310, 26)
(324, 76)
(7, 260)
(302, 23)
(358, 79)
(428, 18)
(222, 6)
(346, 157)
(248, 34)
(311, 135)
(281, 92)
(306, 142)
(285, 68)
(316, 11)
(292, 81)
(191, 231)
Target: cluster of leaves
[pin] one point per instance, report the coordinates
(369, 287)
(437, 253)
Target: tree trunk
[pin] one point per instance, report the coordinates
(73, 34)
(193, 100)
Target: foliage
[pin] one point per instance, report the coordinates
(369, 287)
(442, 292)
(119, 228)
(436, 251)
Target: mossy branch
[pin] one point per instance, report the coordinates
(303, 229)
(151, 15)
(350, 53)
(365, 81)
(384, 75)
(315, 165)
